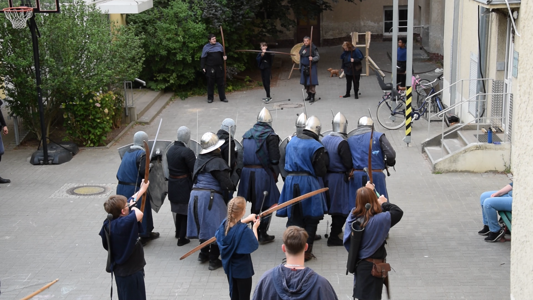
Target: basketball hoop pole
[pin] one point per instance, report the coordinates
(35, 42)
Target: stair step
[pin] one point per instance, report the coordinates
(155, 108)
(469, 136)
(435, 153)
(453, 145)
(144, 103)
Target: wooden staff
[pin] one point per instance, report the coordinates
(275, 52)
(265, 213)
(223, 48)
(40, 290)
(311, 54)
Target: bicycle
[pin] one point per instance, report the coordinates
(391, 109)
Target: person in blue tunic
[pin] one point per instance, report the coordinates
(129, 175)
(338, 178)
(264, 62)
(351, 65)
(491, 203)
(211, 62)
(181, 161)
(308, 68)
(126, 251)
(306, 159)
(207, 208)
(383, 156)
(376, 221)
(260, 172)
(236, 242)
(293, 280)
(401, 61)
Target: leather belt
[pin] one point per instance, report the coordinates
(299, 174)
(375, 260)
(127, 183)
(373, 170)
(254, 166)
(208, 190)
(178, 177)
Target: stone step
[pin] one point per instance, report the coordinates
(145, 101)
(453, 145)
(156, 107)
(435, 153)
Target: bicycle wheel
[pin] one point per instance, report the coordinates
(391, 114)
(422, 87)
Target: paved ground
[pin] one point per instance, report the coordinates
(435, 250)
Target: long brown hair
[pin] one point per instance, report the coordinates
(348, 45)
(236, 207)
(365, 195)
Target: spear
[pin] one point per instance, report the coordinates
(275, 52)
(223, 48)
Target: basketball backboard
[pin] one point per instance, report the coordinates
(39, 6)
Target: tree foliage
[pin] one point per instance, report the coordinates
(79, 56)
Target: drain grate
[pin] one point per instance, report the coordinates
(484, 139)
(79, 191)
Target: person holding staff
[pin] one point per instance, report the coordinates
(264, 62)
(376, 216)
(308, 68)
(211, 62)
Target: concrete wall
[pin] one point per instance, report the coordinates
(522, 242)
(435, 11)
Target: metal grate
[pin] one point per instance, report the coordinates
(496, 106)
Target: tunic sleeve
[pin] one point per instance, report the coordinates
(248, 242)
(273, 149)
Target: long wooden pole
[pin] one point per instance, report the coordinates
(265, 213)
(311, 54)
(40, 290)
(224, 49)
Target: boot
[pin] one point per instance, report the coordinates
(334, 241)
(309, 253)
(356, 96)
(264, 238)
(308, 97)
(312, 98)
(346, 96)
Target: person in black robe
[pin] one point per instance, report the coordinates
(293, 280)
(264, 62)
(126, 251)
(181, 161)
(376, 222)
(211, 62)
(5, 131)
(207, 208)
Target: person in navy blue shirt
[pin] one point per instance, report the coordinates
(401, 61)
(236, 242)
(351, 65)
(127, 255)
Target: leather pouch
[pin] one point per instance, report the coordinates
(380, 270)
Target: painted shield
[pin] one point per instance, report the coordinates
(159, 148)
(282, 148)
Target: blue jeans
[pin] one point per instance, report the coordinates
(490, 206)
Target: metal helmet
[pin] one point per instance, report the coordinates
(138, 139)
(339, 123)
(184, 135)
(313, 124)
(229, 125)
(210, 142)
(300, 123)
(365, 121)
(264, 116)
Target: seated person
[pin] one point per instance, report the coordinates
(491, 203)
(293, 280)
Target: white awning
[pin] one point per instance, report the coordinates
(124, 6)
(498, 4)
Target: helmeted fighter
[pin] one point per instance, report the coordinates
(338, 177)
(261, 171)
(300, 125)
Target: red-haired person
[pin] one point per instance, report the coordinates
(236, 242)
(376, 221)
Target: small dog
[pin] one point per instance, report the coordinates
(333, 72)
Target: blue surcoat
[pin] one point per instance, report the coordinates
(341, 201)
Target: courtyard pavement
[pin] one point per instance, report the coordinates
(435, 251)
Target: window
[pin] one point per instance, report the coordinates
(387, 19)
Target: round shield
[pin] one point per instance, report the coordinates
(323, 134)
(296, 51)
(195, 147)
(282, 148)
(164, 161)
(351, 132)
(240, 161)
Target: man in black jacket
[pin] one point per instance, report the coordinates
(212, 62)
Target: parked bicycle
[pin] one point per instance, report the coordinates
(391, 109)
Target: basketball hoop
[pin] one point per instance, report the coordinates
(18, 15)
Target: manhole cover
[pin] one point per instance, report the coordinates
(288, 105)
(86, 190)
